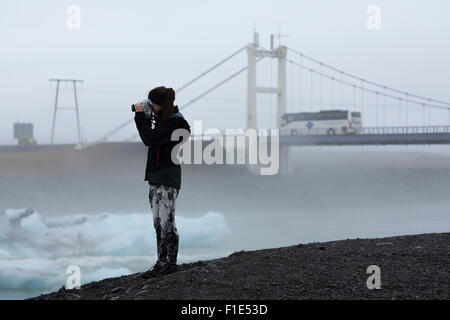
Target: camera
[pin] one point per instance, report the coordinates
(148, 110)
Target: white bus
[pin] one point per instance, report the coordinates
(326, 122)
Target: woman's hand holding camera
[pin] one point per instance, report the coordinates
(138, 107)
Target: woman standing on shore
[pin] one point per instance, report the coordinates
(162, 174)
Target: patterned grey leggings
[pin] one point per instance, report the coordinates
(162, 202)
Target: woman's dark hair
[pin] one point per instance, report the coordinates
(164, 97)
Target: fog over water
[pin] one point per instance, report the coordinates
(103, 222)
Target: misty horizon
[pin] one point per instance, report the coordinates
(121, 51)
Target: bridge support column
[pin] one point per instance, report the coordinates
(251, 87)
(285, 161)
(254, 52)
(280, 90)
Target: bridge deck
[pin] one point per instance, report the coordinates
(367, 139)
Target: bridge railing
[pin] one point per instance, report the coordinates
(323, 131)
(406, 130)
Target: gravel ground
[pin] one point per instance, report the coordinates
(412, 267)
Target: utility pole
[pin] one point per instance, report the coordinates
(74, 83)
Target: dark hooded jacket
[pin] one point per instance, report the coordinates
(160, 169)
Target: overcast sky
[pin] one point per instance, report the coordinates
(125, 48)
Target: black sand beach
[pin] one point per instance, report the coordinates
(412, 267)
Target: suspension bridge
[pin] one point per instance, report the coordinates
(395, 116)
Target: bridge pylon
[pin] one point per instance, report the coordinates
(280, 53)
(280, 90)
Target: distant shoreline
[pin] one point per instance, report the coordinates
(412, 267)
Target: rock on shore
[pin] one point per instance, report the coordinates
(412, 267)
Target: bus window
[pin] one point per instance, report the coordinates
(322, 122)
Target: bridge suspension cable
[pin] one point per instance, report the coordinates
(301, 86)
(367, 81)
(384, 107)
(376, 109)
(210, 69)
(217, 85)
(312, 70)
(110, 133)
(311, 80)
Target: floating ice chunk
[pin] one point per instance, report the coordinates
(107, 234)
(15, 216)
(204, 230)
(36, 252)
(33, 224)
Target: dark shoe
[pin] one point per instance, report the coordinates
(169, 268)
(153, 272)
(158, 266)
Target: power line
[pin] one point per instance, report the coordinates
(105, 91)
(185, 105)
(217, 98)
